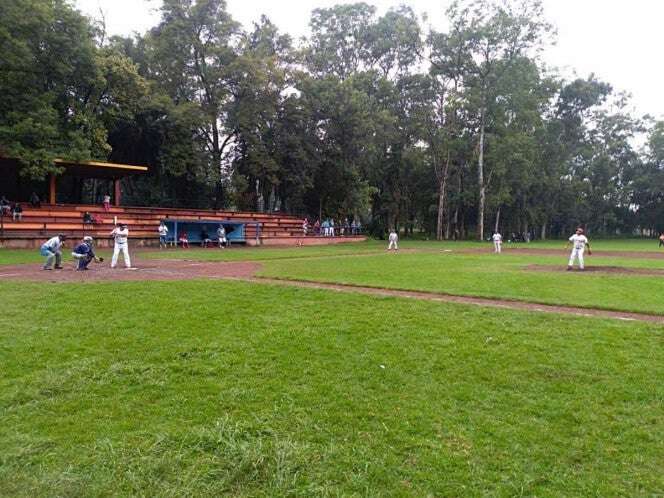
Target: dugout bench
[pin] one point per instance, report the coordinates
(235, 230)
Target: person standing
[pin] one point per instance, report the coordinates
(51, 251)
(121, 235)
(661, 239)
(107, 203)
(34, 200)
(497, 242)
(163, 234)
(579, 243)
(394, 241)
(221, 236)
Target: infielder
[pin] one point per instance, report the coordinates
(84, 253)
(579, 243)
(51, 251)
(394, 241)
(120, 233)
(497, 242)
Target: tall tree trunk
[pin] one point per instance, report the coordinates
(543, 231)
(495, 226)
(442, 192)
(480, 181)
(216, 157)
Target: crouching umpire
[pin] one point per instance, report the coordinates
(84, 253)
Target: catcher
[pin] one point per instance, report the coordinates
(84, 253)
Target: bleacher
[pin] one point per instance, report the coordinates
(37, 224)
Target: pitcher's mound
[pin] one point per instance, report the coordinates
(598, 269)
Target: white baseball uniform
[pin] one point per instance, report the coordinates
(120, 235)
(579, 246)
(394, 239)
(497, 242)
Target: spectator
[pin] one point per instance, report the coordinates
(107, 203)
(17, 212)
(51, 251)
(34, 200)
(661, 239)
(184, 240)
(163, 234)
(87, 218)
(5, 207)
(305, 227)
(358, 227)
(353, 227)
(205, 237)
(317, 228)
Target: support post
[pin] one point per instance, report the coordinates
(117, 193)
(51, 188)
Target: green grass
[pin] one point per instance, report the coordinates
(488, 275)
(215, 388)
(241, 253)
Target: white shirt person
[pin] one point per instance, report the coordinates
(579, 243)
(394, 241)
(120, 233)
(497, 242)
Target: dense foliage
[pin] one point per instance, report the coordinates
(454, 133)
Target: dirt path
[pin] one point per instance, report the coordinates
(615, 270)
(158, 269)
(478, 301)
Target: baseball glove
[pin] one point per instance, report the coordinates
(101, 260)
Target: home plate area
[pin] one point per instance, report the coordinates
(144, 270)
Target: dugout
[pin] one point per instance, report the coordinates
(235, 230)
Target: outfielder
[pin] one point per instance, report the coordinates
(394, 241)
(120, 233)
(497, 242)
(579, 243)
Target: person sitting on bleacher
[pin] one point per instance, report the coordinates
(5, 207)
(17, 212)
(34, 200)
(184, 240)
(87, 218)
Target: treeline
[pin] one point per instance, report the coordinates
(452, 133)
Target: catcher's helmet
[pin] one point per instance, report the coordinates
(87, 238)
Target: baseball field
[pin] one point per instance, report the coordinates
(440, 370)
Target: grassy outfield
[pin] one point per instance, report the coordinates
(206, 388)
(488, 275)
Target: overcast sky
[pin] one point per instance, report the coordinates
(618, 40)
